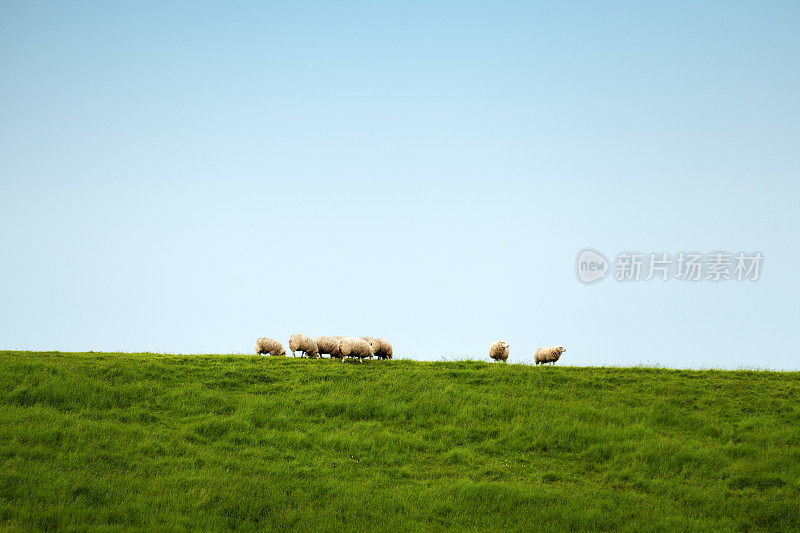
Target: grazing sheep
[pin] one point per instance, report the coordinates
(350, 347)
(328, 345)
(269, 347)
(305, 344)
(386, 349)
(499, 351)
(380, 347)
(548, 355)
(337, 351)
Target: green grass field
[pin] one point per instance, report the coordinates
(103, 440)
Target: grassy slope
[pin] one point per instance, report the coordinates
(148, 440)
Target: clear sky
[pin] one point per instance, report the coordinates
(188, 177)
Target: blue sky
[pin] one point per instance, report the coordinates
(189, 177)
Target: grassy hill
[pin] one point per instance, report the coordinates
(92, 440)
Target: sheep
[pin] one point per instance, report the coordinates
(380, 347)
(549, 355)
(337, 351)
(328, 345)
(499, 351)
(350, 347)
(304, 344)
(269, 347)
(386, 348)
(374, 344)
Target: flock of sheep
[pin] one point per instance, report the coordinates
(335, 347)
(369, 347)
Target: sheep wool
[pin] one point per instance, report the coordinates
(357, 348)
(269, 347)
(338, 351)
(327, 345)
(380, 347)
(386, 349)
(548, 355)
(305, 344)
(499, 351)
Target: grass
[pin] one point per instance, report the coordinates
(143, 441)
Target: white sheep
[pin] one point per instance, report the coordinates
(304, 344)
(328, 345)
(499, 351)
(357, 348)
(269, 347)
(548, 355)
(380, 347)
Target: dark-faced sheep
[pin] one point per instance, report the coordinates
(499, 351)
(269, 347)
(305, 344)
(548, 355)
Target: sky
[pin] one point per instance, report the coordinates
(187, 177)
